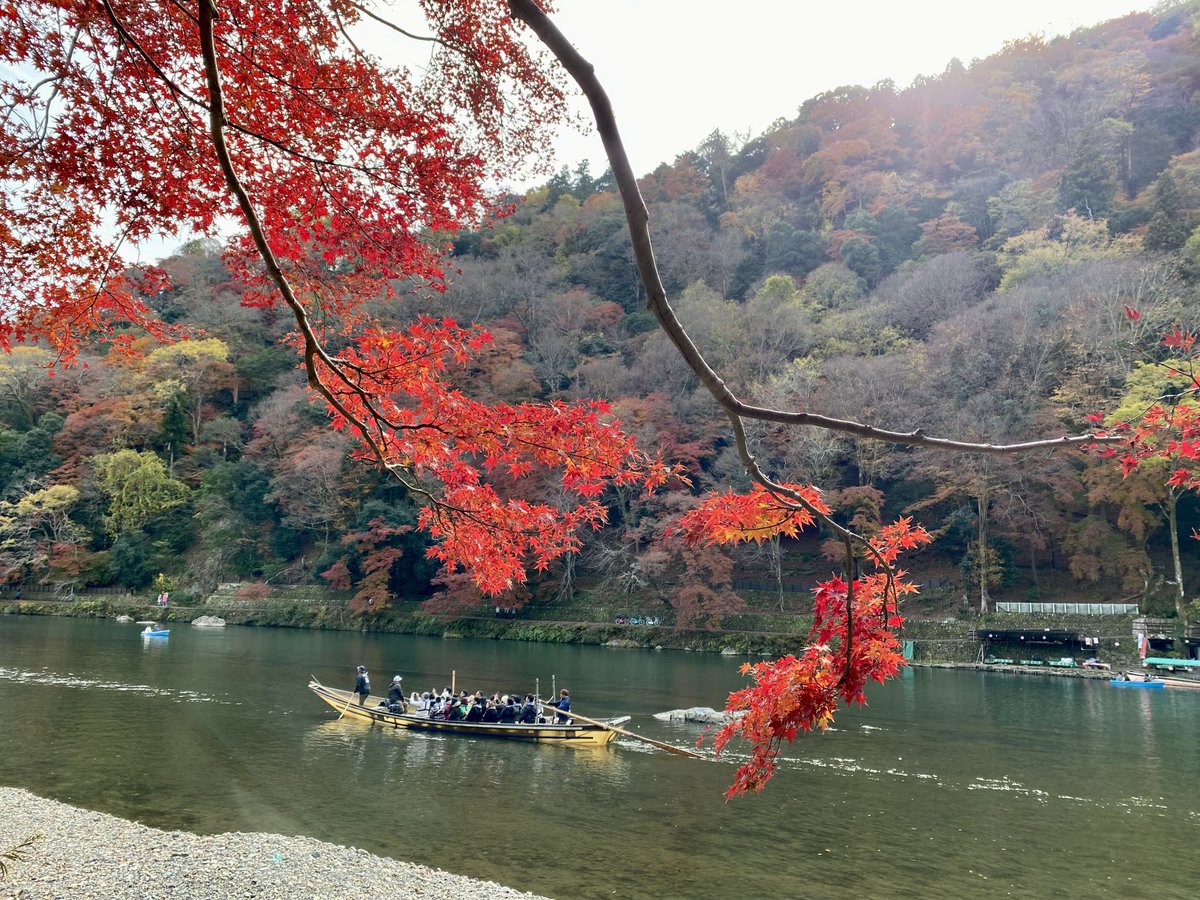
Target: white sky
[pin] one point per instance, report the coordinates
(676, 69)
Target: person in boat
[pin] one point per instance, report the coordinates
(508, 715)
(457, 712)
(563, 705)
(529, 711)
(362, 685)
(475, 713)
(491, 714)
(395, 697)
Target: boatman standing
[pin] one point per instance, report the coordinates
(362, 685)
(563, 705)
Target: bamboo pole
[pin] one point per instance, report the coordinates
(661, 745)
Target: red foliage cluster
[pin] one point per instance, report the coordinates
(347, 172)
(1170, 428)
(853, 639)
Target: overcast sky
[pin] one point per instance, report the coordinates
(677, 69)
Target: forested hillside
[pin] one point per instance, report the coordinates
(990, 253)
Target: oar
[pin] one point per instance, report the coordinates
(661, 745)
(344, 708)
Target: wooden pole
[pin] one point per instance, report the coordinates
(453, 680)
(344, 708)
(661, 745)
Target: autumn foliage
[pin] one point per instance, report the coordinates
(349, 177)
(1166, 430)
(344, 171)
(853, 640)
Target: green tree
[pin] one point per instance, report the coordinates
(138, 488)
(33, 525)
(1167, 229)
(191, 371)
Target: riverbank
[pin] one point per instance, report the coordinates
(84, 855)
(931, 641)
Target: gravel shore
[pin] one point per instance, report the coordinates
(88, 855)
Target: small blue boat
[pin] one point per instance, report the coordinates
(156, 634)
(1147, 685)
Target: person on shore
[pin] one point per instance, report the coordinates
(362, 685)
(563, 705)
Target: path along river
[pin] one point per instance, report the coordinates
(950, 784)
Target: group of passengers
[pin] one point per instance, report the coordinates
(508, 709)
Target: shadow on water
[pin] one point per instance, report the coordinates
(950, 784)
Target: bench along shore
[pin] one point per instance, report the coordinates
(84, 854)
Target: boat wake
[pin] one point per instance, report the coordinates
(70, 679)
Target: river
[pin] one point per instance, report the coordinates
(950, 784)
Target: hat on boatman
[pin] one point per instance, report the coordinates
(362, 668)
(397, 679)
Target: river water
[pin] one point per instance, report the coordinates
(950, 784)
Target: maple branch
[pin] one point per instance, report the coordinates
(128, 39)
(178, 93)
(638, 218)
(433, 39)
(849, 603)
(313, 350)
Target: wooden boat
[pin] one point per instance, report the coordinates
(578, 734)
(161, 633)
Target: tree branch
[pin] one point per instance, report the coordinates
(656, 299)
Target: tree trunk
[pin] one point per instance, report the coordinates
(1173, 525)
(566, 584)
(775, 560)
(984, 600)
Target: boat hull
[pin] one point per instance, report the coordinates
(1144, 685)
(575, 735)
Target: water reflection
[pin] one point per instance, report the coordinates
(457, 758)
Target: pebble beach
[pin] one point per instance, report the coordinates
(84, 855)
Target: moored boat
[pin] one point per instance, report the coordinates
(1168, 681)
(1134, 680)
(576, 734)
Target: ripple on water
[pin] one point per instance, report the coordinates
(70, 679)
